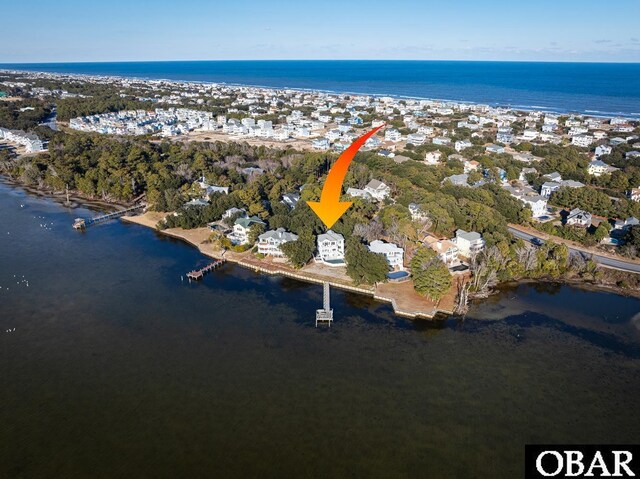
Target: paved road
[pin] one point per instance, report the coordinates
(603, 260)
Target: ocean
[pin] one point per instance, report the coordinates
(598, 89)
(113, 366)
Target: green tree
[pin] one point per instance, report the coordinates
(363, 266)
(255, 230)
(431, 277)
(299, 252)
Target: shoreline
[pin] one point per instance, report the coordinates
(383, 292)
(403, 299)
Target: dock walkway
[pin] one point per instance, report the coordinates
(81, 223)
(198, 274)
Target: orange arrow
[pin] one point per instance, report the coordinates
(329, 209)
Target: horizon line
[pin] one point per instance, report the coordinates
(59, 62)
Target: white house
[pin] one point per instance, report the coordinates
(416, 138)
(393, 253)
(392, 135)
(416, 212)
(321, 144)
(468, 242)
(603, 150)
(599, 167)
(331, 248)
(583, 141)
(358, 193)
(234, 211)
(241, 228)
(269, 242)
(217, 189)
(530, 198)
(578, 217)
(457, 180)
(494, 149)
(462, 144)
(634, 194)
(432, 157)
(441, 140)
(378, 190)
(548, 188)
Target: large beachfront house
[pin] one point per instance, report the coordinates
(269, 242)
(393, 253)
(241, 228)
(331, 248)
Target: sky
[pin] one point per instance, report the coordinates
(116, 30)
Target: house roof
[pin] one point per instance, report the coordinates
(468, 235)
(378, 246)
(279, 234)
(247, 222)
(330, 236)
(376, 185)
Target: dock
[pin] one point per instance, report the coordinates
(81, 223)
(325, 315)
(199, 274)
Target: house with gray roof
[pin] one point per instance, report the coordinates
(378, 190)
(331, 248)
(269, 242)
(578, 217)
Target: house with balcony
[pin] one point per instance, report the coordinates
(331, 249)
(578, 217)
(269, 242)
(469, 243)
(392, 135)
(530, 198)
(378, 190)
(241, 228)
(599, 168)
(447, 250)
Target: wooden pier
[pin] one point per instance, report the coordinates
(81, 223)
(325, 315)
(198, 274)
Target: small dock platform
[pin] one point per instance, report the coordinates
(199, 274)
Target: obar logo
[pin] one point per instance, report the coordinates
(581, 461)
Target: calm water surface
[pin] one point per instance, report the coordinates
(116, 368)
(607, 89)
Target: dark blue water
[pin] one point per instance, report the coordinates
(114, 367)
(595, 88)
